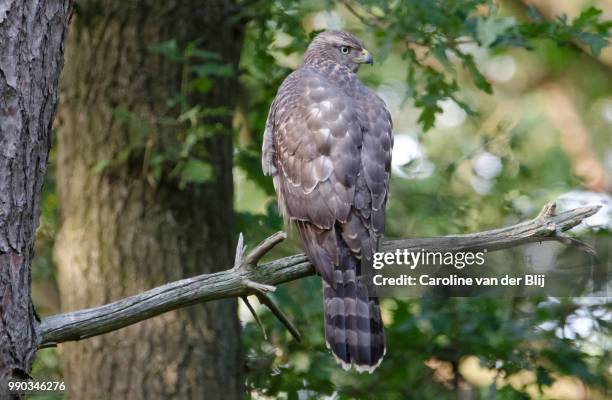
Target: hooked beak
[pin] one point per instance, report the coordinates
(365, 57)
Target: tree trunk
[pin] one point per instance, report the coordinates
(120, 233)
(31, 58)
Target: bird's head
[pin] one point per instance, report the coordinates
(337, 47)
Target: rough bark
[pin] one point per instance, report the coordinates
(31, 58)
(119, 233)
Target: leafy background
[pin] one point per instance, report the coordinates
(498, 107)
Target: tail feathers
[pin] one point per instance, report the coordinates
(353, 324)
(353, 328)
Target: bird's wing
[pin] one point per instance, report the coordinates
(372, 189)
(312, 147)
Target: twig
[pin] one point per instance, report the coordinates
(261, 290)
(257, 320)
(547, 211)
(240, 249)
(371, 22)
(243, 280)
(253, 257)
(543, 228)
(268, 302)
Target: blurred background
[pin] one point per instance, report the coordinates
(498, 107)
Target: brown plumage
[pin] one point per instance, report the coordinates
(327, 145)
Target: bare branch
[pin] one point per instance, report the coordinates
(243, 279)
(268, 302)
(253, 257)
(545, 227)
(371, 20)
(240, 249)
(255, 316)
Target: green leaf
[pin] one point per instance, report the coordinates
(205, 55)
(190, 141)
(168, 49)
(587, 17)
(191, 115)
(101, 166)
(595, 42)
(221, 70)
(439, 52)
(123, 114)
(196, 171)
(543, 377)
(201, 84)
(428, 116)
(479, 79)
(488, 29)
(156, 162)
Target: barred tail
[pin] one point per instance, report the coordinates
(353, 325)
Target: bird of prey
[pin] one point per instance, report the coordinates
(327, 144)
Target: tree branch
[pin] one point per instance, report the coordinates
(551, 9)
(247, 278)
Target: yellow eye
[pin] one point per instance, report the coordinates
(345, 50)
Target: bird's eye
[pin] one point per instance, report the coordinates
(345, 50)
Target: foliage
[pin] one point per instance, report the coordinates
(181, 157)
(439, 45)
(431, 52)
(443, 30)
(426, 335)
